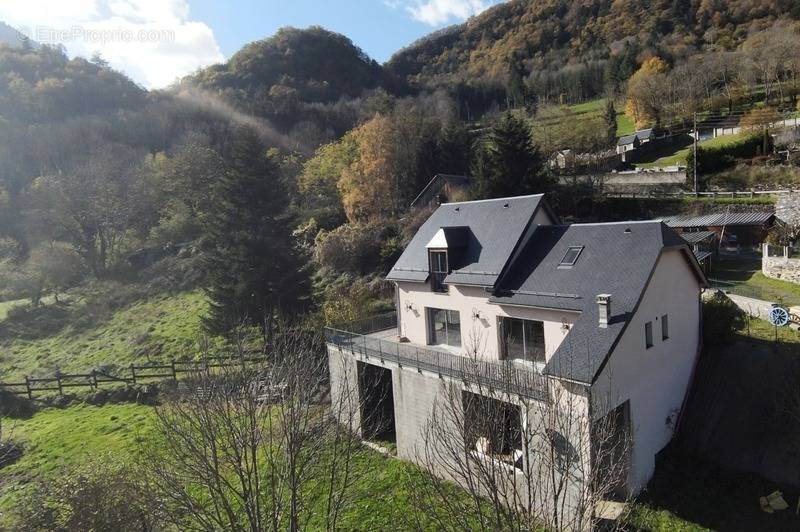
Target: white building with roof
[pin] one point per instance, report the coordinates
(499, 291)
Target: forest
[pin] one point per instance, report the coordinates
(302, 143)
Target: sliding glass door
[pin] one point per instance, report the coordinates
(523, 339)
(444, 327)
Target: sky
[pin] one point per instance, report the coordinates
(156, 42)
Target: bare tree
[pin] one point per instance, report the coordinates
(258, 447)
(526, 460)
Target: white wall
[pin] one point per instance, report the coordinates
(477, 335)
(655, 380)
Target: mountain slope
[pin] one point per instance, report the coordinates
(311, 64)
(551, 34)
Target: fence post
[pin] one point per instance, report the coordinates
(133, 373)
(58, 380)
(28, 387)
(174, 373)
(94, 379)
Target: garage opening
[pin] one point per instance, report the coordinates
(376, 398)
(493, 429)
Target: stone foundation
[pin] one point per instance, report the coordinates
(781, 268)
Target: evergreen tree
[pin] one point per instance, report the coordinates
(253, 270)
(610, 118)
(452, 148)
(508, 163)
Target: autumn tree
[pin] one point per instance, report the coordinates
(646, 101)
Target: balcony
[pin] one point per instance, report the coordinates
(377, 338)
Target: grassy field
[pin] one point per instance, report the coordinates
(595, 108)
(745, 274)
(154, 329)
(57, 438)
(678, 158)
(54, 438)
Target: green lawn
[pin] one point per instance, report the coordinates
(54, 438)
(154, 329)
(595, 108)
(383, 490)
(744, 273)
(678, 158)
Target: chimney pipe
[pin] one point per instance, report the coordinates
(604, 304)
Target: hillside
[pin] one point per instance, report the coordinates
(79, 335)
(559, 35)
(289, 77)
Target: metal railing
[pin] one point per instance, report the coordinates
(503, 376)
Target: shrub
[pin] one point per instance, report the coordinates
(99, 495)
(721, 319)
(357, 249)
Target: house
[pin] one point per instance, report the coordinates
(745, 229)
(441, 189)
(628, 143)
(562, 160)
(604, 317)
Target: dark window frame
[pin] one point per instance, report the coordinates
(564, 263)
(435, 269)
(665, 327)
(648, 335)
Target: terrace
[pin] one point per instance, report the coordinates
(376, 338)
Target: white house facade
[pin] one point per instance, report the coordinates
(609, 313)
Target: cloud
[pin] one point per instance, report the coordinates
(153, 41)
(439, 12)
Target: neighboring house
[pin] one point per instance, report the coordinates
(627, 143)
(746, 229)
(607, 313)
(562, 160)
(441, 189)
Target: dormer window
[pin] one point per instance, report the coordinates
(438, 269)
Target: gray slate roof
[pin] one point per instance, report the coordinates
(617, 259)
(698, 236)
(642, 135)
(720, 219)
(493, 229)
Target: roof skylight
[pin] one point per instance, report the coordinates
(571, 256)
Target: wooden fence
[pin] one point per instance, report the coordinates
(134, 375)
(689, 194)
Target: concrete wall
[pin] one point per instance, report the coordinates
(655, 380)
(479, 335)
(344, 388)
(414, 397)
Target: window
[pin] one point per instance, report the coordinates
(439, 270)
(664, 327)
(648, 334)
(523, 339)
(445, 327)
(571, 256)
